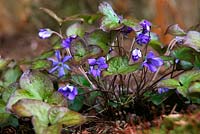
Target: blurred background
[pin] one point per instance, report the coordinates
(20, 20)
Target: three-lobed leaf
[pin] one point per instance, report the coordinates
(111, 20)
(120, 65)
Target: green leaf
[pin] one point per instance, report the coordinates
(8, 120)
(3, 63)
(37, 83)
(184, 53)
(169, 83)
(188, 77)
(110, 21)
(120, 65)
(75, 29)
(184, 65)
(90, 19)
(9, 91)
(53, 15)
(129, 22)
(39, 127)
(197, 61)
(18, 95)
(45, 55)
(175, 30)
(80, 80)
(81, 52)
(194, 89)
(30, 107)
(183, 90)
(11, 75)
(62, 115)
(101, 39)
(57, 99)
(2, 106)
(157, 45)
(40, 64)
(78, 102)
(93, 96)
(157, 99)
(192, 40)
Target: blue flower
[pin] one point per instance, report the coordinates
(146, 26)
(67, 42)
(96, 66)
(45, 33)
(136, 54)
(126, 30)
(152, 62)
(68, 91)
(59, 64)
(142, 39)
(163, 90)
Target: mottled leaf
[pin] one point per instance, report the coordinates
(81, 52)
(175, 30)
(18, 95)
(169, 83)
(8, 91)
(45, 55)
(75, 29)
(3, 63)
(194, 89)
(188, 77)
(101, 39)
(30, 107)
(184, 53)
(111, 20)
(37, 83)
(62, 115)
(11, 75)
(57, 99)
(120, 65)
(130, 22)
(40, 64)
(192, 40)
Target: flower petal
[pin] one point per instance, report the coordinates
(58, 55)
(152, 68)
(150, 55)
(157, 61)
(103, 66)
(66, 58)
(54, 62)
(66, 67)
(75, 91)
(92, 61)
(53, 69)
(71, 96)
(61, 71)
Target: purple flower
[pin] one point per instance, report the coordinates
(67, 42)
(136, 54)
(45, 33)
(146, 26)
(96, 66)
(152, 62)
(68, 91)
(126, 30)
(142, 39)
(163, 90)
(59, 64)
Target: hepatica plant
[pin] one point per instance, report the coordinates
(95, 69)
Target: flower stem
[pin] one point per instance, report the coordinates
(85, 75)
